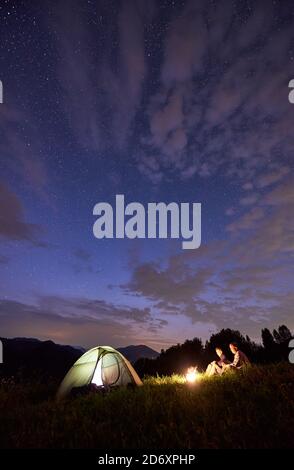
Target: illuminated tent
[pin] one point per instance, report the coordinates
(103, 366)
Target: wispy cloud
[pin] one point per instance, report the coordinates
(20, 147)
(216, 110)
(238, 282)
(12, 223)
(77, 321)
(102, 96)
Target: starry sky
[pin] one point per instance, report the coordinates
(183, 101)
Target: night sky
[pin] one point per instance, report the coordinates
(183, 101)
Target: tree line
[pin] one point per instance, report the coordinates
(176, 359)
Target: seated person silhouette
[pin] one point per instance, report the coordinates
(217, 367)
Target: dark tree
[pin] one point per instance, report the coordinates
(267, 338)
(270, 352)
(178, 358)
(224, 338)
(175, 360)
(283, 334)
(276, 344)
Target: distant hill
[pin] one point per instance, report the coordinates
(30, 358)
(133, 353)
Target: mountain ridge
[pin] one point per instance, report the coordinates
(25, 358)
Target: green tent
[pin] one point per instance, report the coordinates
(103, 366)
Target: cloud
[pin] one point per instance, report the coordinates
(82, 321)
(169, 285)
(240, 282)
(20, 147)
(247, 221)
(4, 259)
(101, 99)
(166, 118)
(270, 225)
(82, 254)
(12, 223)
(230, 211)
(185, 45)
(282, 194)
(92, 308)
(247, 186)
(204, 105)
(249, 200)
(271, 178)
(81, 262)
(252, 275)
(18, 319)
(216, 111)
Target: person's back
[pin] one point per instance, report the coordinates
(240, 358)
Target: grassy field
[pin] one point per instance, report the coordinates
(252, 409)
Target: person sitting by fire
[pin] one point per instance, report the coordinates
(240, 358)
(217, 367)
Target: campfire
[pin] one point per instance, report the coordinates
(192, 374)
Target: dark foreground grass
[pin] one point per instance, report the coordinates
(252, 409)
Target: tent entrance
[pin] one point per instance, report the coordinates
(107, 371)
(97, 376)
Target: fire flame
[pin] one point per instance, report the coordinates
(192, 374)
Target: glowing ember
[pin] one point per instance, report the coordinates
(192, 374)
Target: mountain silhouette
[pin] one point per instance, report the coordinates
(140, 351)
(30, 358)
